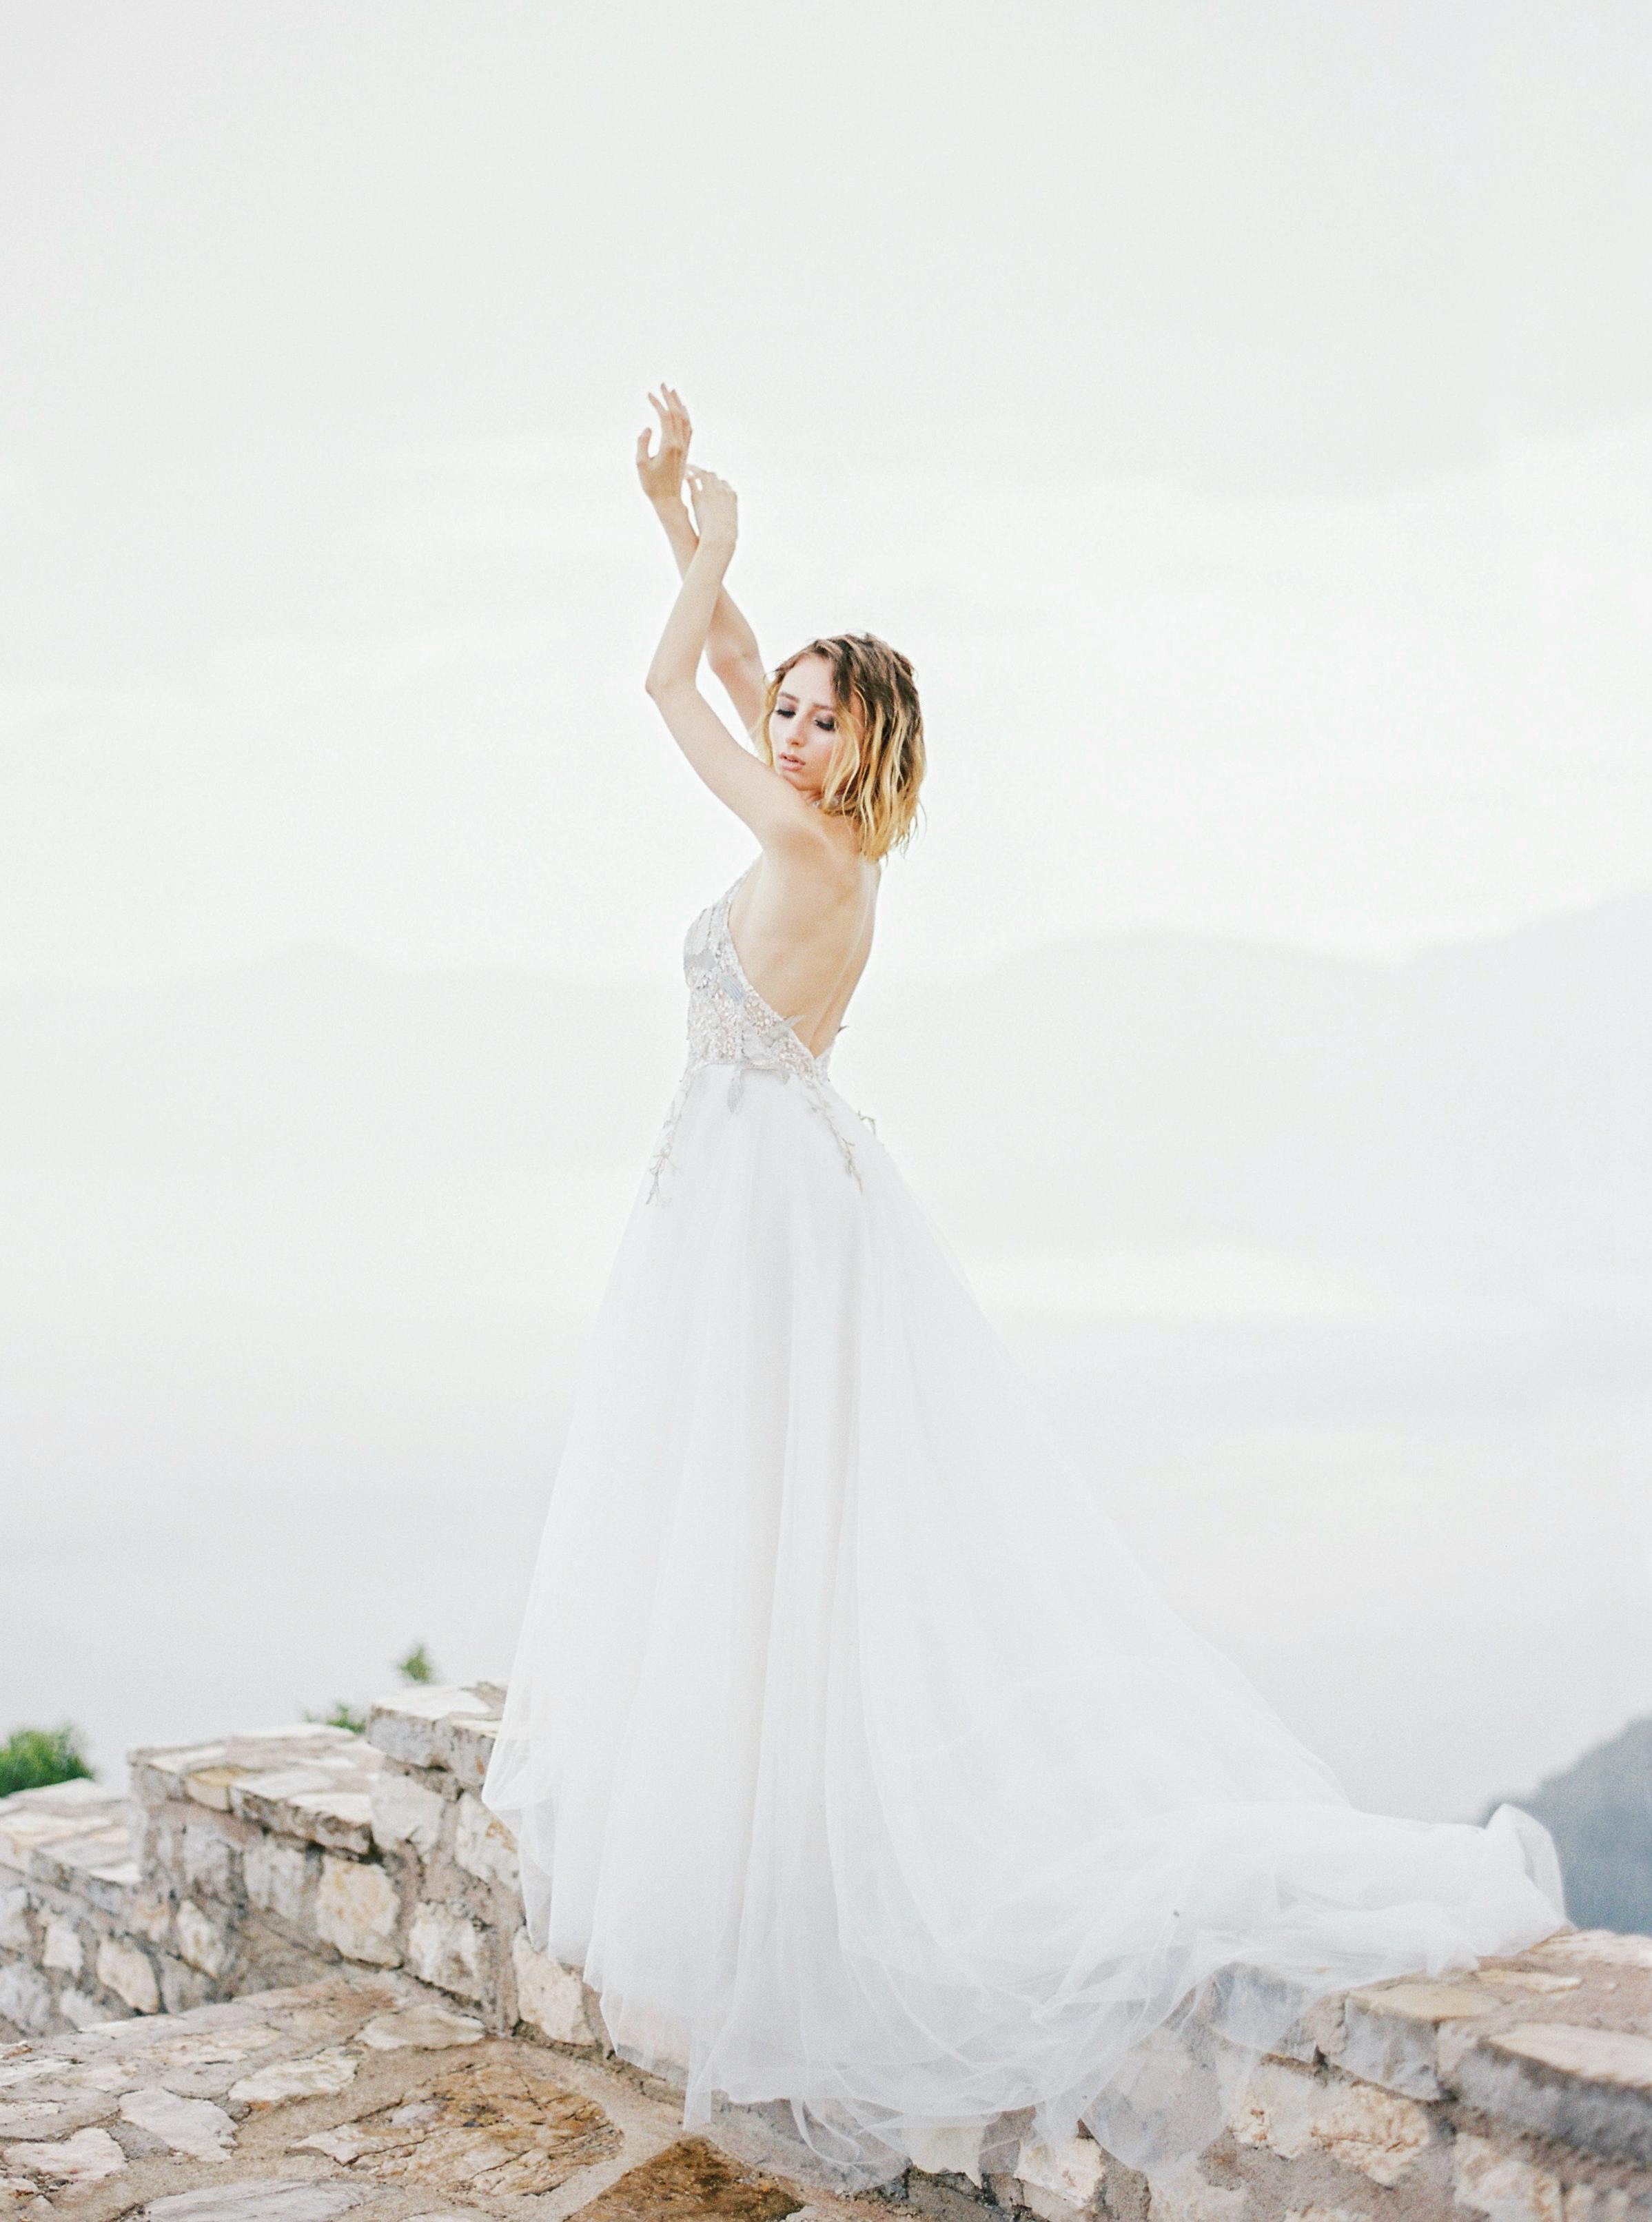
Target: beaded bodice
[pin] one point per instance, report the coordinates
(729, 1023)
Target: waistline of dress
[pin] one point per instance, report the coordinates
(822, 1093)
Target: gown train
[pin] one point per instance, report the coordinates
(848, 1748)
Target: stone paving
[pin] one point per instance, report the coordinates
(369, 2095)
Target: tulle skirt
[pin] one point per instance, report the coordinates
(848, 1748)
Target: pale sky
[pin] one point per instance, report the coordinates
(1242, 414)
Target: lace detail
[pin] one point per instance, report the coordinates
(729, 1023)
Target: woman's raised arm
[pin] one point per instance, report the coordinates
(730, 645)
(753, 790)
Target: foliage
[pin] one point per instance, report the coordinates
(32, 1758)
(341, 1715)
(417, 1666)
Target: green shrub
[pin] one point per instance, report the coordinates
(32, 1758)
(417, 1667)
(341, 1715)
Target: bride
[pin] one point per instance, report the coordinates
(848, 1748)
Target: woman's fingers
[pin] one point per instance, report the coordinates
(679, 413)
(674, 438)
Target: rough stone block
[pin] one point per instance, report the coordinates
(465, 1745)
(126, 1971)
(551, 1998)
(316, 1805)
(160, 1773)
(404, 1812)
(408, 1726)
(446, 1950)
(1521, 1980)
(62, 1948)
(36, 1824)
(1388, 2031)
(1184, 2193)
(183, 1987)
(148, 1913)
(357, 1910)
(92, 1864)
(1060, 2183)
(16, 1931)
(210, 1775)
(1583, 2087)
(942, 2198)
(275, 2198)
(281, 1877)
(86, 2157)
(25, 1996)
(80, 2011)
(1256, 2005)
(942, 2151)
(208, 1860)
(484, 1846)
(194, 2126)
(1606, 1948)
(202, 1940)
(1503, 2185)
(323, 2073)
(1292, 2111)
(210, 1786)
(423, 2028)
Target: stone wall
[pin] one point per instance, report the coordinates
(1521, 2091)
(272, 1859)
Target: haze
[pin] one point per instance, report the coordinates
(1243, 417)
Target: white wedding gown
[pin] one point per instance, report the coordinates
(848, 1749)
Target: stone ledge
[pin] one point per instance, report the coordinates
(313, 1784)
(1518, 2090)
(452, 1728)
(1573, 2083)
(39, 1828)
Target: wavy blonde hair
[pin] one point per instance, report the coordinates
(878, 764)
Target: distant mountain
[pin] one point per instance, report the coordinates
(1485, 1107)
(1600, 1812)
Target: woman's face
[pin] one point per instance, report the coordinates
(803, 725)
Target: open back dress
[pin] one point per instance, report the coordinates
(848, 1749)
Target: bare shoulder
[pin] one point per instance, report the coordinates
(810, 888)
(805, 865)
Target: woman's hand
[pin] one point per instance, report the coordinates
(717, 510)
(661, 474)
(730, 645)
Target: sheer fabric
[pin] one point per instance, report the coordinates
(848, 1748)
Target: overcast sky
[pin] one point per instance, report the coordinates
(1242, 414)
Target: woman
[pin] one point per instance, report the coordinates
(848, 1748)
